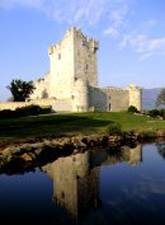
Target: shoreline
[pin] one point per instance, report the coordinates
(113, 138)
(29, 154)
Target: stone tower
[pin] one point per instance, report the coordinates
(135, 96)
(72, 59)
(71, 83)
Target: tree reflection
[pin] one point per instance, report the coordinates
(161, 149)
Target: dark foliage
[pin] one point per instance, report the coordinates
(157, 113)
(161, 98)
(114, 128)
(21, 90)
(132, 109)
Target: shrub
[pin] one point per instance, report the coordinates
(132, 109)
(114, 128)
(154, 113)
(162, 113)
(28, 110)
(5, 114)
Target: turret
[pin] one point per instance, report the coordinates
(135, 96)
(80, 101)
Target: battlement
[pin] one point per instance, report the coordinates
(77, 33)
(134, 87)
(114, 89)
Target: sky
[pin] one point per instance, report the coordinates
(131, 35)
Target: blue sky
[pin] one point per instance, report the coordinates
(131, 35)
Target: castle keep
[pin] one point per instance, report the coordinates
(73, 79)
(72, 82)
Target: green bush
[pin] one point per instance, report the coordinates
(132, 109)
(113, 128)
(24, 111)
(162, 113)
(154, 113)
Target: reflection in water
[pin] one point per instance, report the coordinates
(102, 186)
(76, 178)
(161, 149)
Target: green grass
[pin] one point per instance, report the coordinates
(75, 123)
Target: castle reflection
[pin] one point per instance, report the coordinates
(76, 177)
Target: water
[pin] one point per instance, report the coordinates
(124, 186)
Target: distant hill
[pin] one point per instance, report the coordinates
(149, 97)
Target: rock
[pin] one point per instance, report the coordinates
(26, 157)
(161, 133)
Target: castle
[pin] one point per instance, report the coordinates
(73, 79)
(72, 82)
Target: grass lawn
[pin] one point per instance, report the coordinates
(74, 123)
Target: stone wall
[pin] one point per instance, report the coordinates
(118, 98)
(15, 105)
(62, 105)
(85, 58)
(97, 99)
(42, 87)
(62, 67)
(108, 99)
(80, 98)
(135, 96)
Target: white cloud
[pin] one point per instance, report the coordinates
(115, 13)
(144, 45)
(88, 12)
(118, 13)
(112, 31)
(73, 11)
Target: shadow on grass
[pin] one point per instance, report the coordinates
(50, 125)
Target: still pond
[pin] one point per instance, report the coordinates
(119, 186)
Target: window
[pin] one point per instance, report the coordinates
(83, 43)
(86, 67)
(59, 56)
(110, 107)
(62, 195)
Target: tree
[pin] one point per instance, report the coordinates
(161, 149)
(161, 98)
(20, 89)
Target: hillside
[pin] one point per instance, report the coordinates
(149, 97)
